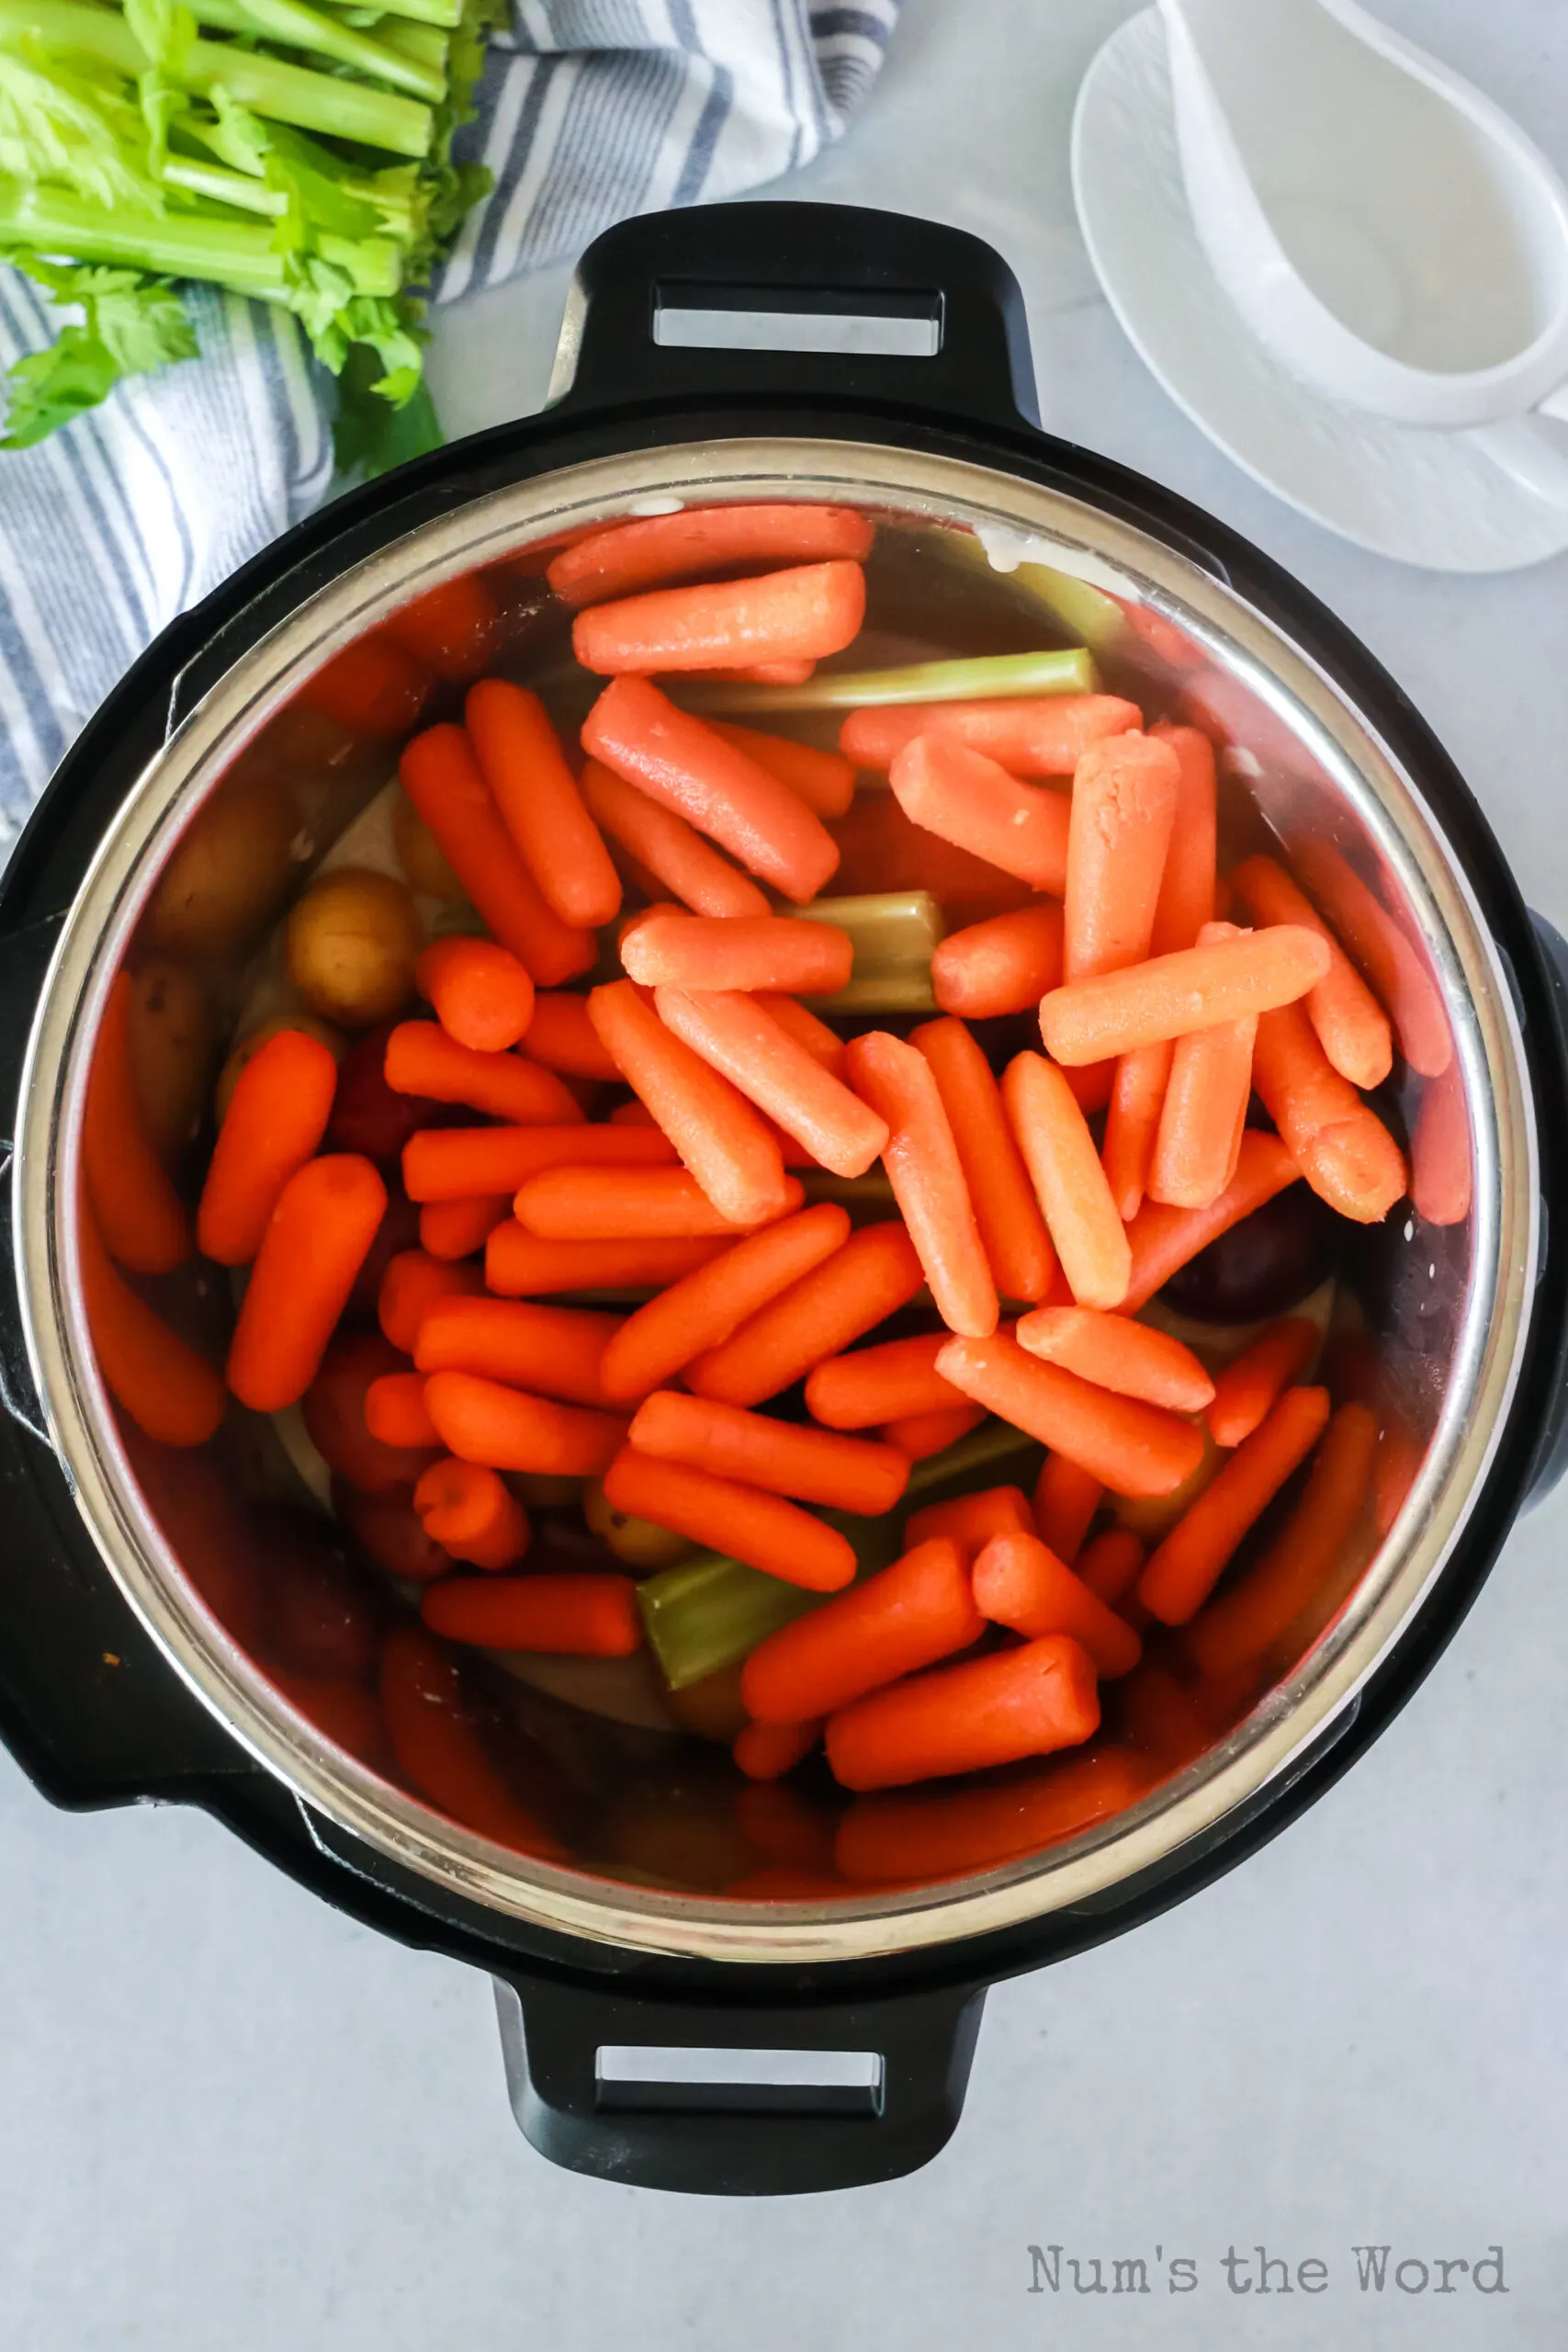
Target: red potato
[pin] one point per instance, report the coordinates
(332, 1408)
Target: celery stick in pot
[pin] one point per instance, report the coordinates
(895, 935)
(1063, 671)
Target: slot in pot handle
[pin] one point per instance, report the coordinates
(938, 316)
(736, 2101)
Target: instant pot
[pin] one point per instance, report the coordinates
(134, 1658)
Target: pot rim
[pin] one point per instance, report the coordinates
(1103, 550)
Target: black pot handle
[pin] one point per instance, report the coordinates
(603, 2083)
(1550, 1458)
(914, 278)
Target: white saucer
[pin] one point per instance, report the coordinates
(1428, 498)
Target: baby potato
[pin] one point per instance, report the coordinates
(171, 1052)
(711, 1708)
(229, 875)
(351, 945)
(420, 855)
(252, 1042)
(639, 1542)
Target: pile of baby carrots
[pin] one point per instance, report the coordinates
(650, 1130)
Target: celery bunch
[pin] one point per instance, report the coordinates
(297, 151)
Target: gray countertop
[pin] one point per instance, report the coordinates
(229, 2119)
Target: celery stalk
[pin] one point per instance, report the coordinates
(299, 27)
(220, 186)
(894, 933)
(973, 1461)
(227, 252)
(1067, 670)
(444, 13)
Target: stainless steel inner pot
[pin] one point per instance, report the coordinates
(965, 548)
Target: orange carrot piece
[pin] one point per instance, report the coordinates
(1020, 1584)
(336, 1410)
(808, 1465)
(483, 997)
(440, 774)
(454, 1229)
(1026, 734)
(888, 1839)
(776, 952)
(1004, 965)
(277, 1118)
(413, 1283)
(520, 759)
(452, 628)
(1111, 1012)
(562, 1038)
(679, 762)
(1067, 1496)
(373, 688)
(823, 1044)
(141, 1219)
(1439, 1150)
(874, 1274)
(1137, 1099)
(466, 1509)
(649, 550)
(906, 1617)
(550, 1350)
(1187, 887)
(519, 1265)
(824, 780)
(1111, 1565)
(996, 1710)
(589, 1204)
(971, 1521)
(765, 673)
(972, 801)
(1012, 1228)
(318, 1237)
(1247, 1389)
(1204, 1109)
(1130, 1447)
(1264, 1604)
(927, 1176)
(1338, 1142)
(800, 614)
(438, 1748)
(395, 1411)
(1124, 806)
(767, 1751)
(1184, 1570)
(920, 1435)
(1400, 979)
(1068, 1181)
(480, 1420)
(422, 1060)
(468, 1163)
(1352, 1027)
(717, 1134)
(667, 847)
(700, 1311)
(1114, 1353)
(170, 1392)
(762, 1529)
(882, 849)
(736, 1036)
(590, 1615)
(885, 1384)
(1163, 1239)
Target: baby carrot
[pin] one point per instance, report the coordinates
(519, 1265)
(1205, 1109)
(762, 1530)
(651, 549)
(1020, 1584)
(520, 759)
(469, 1163)
(470, 1513)
(1352, 1027)
(1187, 887)
(739, 952)
(277, 1118)
(1110, 1565)
(927, 1176)
(480, 1421)
(1440, 1151)
(767, 1751)
(1012, 1228)
(971, 1521)
(1137, 1099)
(885, 1384)
(169, 1391)
(1026, 734)
(996, 1710)
(141, 1219)
(584, 1615)
(317, 1238)
(395, 1411)
(736, 1036)
(808, 1465)
(1338, 1142)
(763, 673)
(562, 1038)
(885, 1839)
(906, 1617)
(799, 615)
(1124, 806)
(336, 1413)
(454, 1229)
(1133, 1359)
(441, 776)
(1068, 1181)
(1184, 1570)
(373, 688)
(824, 780)
(875, 1274)
(483, 997)
(451, 628)
(590, 1203)
(438, 1748)
(679, 762)
(412, 1283)
(718, 1134)
(1130, 1447)
(700, 1310)
(1085, 1021)
(1004, 965)
(1165, 1239)
(1248, 1388)
(422, 1060)
(1067, 1496)
(972, 802)
(1386, 957)
(667, 847)
(551, 1351)
(920, 1435)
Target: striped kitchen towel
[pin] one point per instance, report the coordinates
(588, 111)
